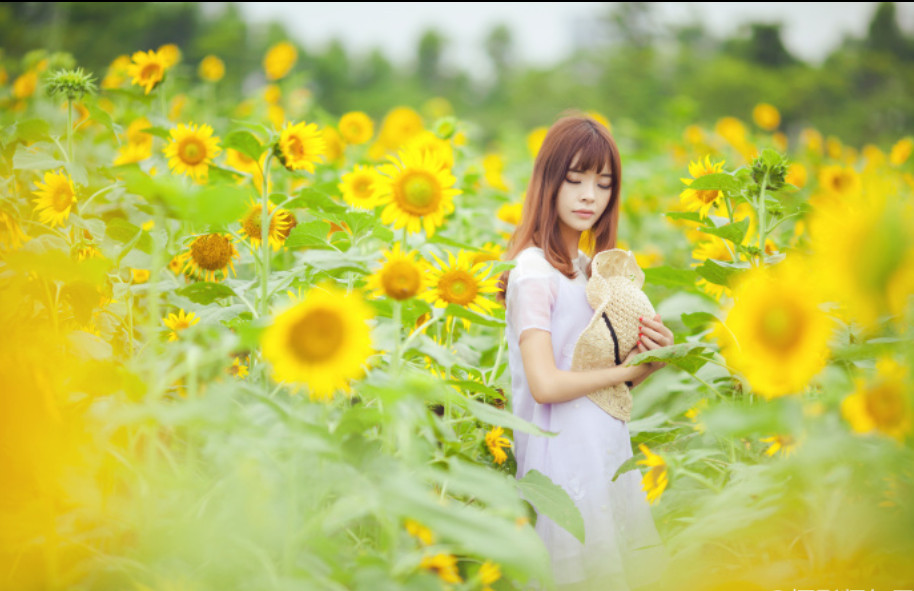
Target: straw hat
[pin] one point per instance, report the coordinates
(614, 292)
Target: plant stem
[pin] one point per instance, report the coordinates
(398, 329)
(69, 130)
(762, 215)
(264, 235)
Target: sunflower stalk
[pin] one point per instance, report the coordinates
(398, 329)
(265, 235)
(762, 230)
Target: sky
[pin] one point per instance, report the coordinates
(545, 32)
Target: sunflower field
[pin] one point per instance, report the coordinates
(251, 345)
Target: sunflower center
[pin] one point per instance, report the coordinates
(362, 186)
(884, 405)
(150, 71)
(458, 287)
(401, 280)
(841, 182)
(780, 327)
(192, 151)
(212, 252)
(707, 196)
(296, 147)
(61, 198)
(419, 193)
(318, 336)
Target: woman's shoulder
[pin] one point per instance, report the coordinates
(531, 261)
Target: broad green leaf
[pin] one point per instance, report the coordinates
(120, 230)
(473, 317)
(552, 501)
(691, 216)
(721, 181)
(77, 172)
(502, 418)
(310, 234)
(204, 292)
(101, 116)
(717, 272)
(685, 356)
(671, 277)
(869, 350)
(30, 130)
(739, 419)
(317, 198)
(698, 320)
(244, 142)
(39, 156)
(734, 232)
(474, 386)
(158, 131)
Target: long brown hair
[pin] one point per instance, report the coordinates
(568, 137)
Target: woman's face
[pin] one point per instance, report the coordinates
(583, 197)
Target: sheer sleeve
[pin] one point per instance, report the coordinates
(531, 293)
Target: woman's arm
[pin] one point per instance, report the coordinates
(548, 384)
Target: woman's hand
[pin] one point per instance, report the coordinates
(654, 335)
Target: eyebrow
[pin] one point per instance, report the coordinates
(606, 174)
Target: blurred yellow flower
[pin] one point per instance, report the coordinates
(489, 572)
(693, 134)
(443, 565)
(437, 107)
(833, 147)
(147, 69)
(11, 234)
(701, 200)
(400, 277)
(883, 404)
(692, 415)
(281, 224)
(191, 150)
(654, 480)
(178, 322)
(212, 69)
(238, 368)
(493, 166)
(277, 116)
(797, 175)
(420, 532)
(361, 186)
(511, 212)
(207, 255)
(279, 60)
(426, 141)
(496, 442)
(323, 341)
(813, 141)
(600, 118)
(732, 130)
(837, 184)
(462, 283)
(490, 252)
(398, 127)
(244, 163)
(139, 143)
(24, 86)
(170, 54)
(901, 151)
(56, 196)
(766, 116)
(272, 94)
(775, 333)
(779, 443)
(117, 72)
(535, 140)
(300, 146)
(356, 127)
(139, 275)
(417, 192)
(336, 147)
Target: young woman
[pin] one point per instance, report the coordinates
(575, 187)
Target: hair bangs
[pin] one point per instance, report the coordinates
(593, 153)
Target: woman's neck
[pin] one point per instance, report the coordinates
(571, 239)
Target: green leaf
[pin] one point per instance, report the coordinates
(473, 317)
(502, 418)
(685, 356)
(204, 292)
(30, 130)
(734, 232)
(318, 198)
(157, 131)
(244, 142)
(120, 230)
(869, 350)
(717, 272)
(310, 234)
(671, 277)
(77, 172)
(721, 181)
(771, 158)
(698, 320)
(38, 156)
(101, 116)
(690, 216)
(552, 501)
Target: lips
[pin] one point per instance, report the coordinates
(586, 213)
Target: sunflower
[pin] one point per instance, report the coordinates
(56, 196)
(779, 443)
(398, 127)
(139, 143)
(400, 278)
(535, 140)
(191, 150)
(138, 276)
(238, 368)
(281, 224)
(300, 146)
(443, 565)
(461, 282)
(178, 322)
(775, 334)
(207, 255)
(837, 184)
(323, 341)
(11, 234)
(796, 175)
(654, 480)
(496, 442)
(147, 69)
(883, 404)
(24, 86)
(211, 69)
(766, 116)
(360, 187)
(356, 127)
(170, 54)
(417, 192)
(488, 573)
(279, 60)
(901, 151)
(511, 213)
(493, 165)
(426, 141)
(700, 200)
(420, 532)
(117, 72)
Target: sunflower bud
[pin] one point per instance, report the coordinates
(772, 164)
(446, 127)
(74, 84)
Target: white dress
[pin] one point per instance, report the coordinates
(622, 548)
